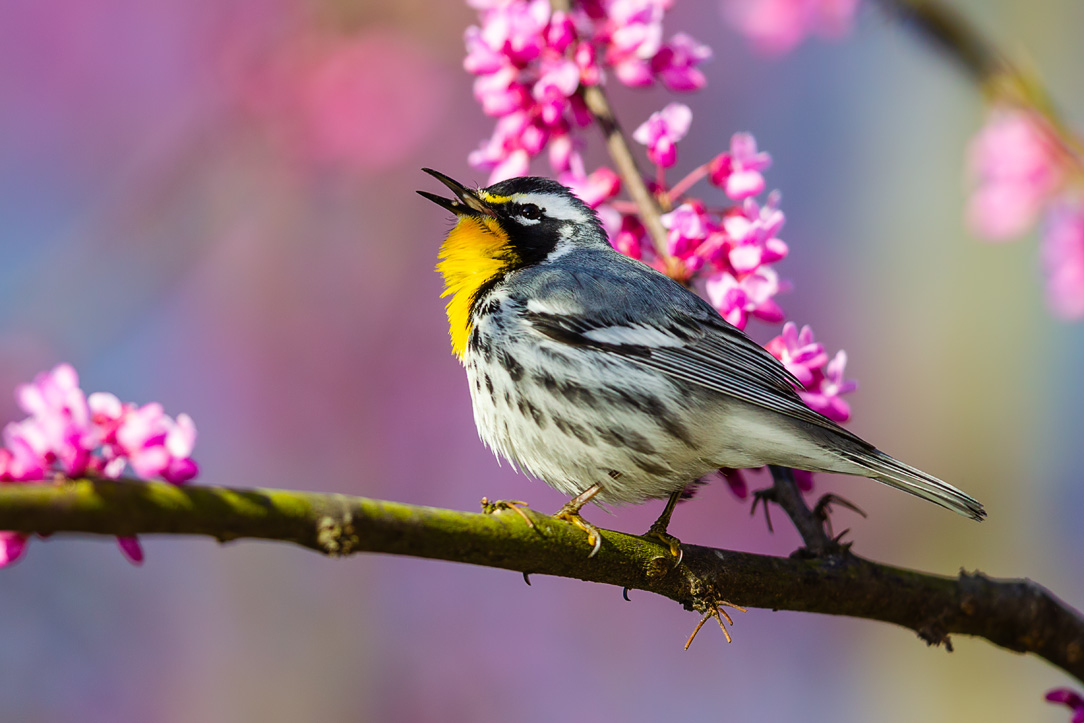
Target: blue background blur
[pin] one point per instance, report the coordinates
(212, 204)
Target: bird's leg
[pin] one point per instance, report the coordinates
(658, 528)
(571, 513)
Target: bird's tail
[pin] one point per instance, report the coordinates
(879, 466)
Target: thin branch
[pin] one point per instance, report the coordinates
(991, 68)
(598, 105)
(1016, 614)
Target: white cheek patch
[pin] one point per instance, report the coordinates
(562, 209)
(634, 335)
(564, 246)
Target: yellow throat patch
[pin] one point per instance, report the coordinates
(476, 251)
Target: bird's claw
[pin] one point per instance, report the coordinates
(594, 537)
(661, 535)
(716, 611)
(763, 497)
(824, 506)
(516, 506)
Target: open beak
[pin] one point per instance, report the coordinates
(466, 202)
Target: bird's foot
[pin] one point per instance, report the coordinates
(659, 534)
(571, 513)
(716, 611)
(824, 507)
(763, 497)
(658, 531)
(517, 506)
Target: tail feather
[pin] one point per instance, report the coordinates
(894, 473)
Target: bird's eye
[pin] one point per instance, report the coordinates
(530, 212)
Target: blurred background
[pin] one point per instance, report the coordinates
(211, 204)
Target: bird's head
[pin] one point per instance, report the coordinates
(510, 225)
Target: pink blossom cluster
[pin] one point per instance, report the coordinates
(531, 60)
(729, 252)
(1020, 174)
(74, 435)
(1069, 698)
(777, 26)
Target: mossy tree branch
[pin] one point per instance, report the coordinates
(1015, 614)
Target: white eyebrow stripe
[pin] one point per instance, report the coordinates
(556, 207)
(636, 335)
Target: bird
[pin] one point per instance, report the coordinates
(610, 381)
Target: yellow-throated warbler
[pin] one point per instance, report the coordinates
(608, 380)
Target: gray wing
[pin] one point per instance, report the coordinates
(606, 301)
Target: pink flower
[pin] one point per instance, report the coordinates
(558, 80)
(597, 188)
(752, 235)
(688, 225)
(1015, 165)
(776, 26)
(1069, 698)
(801, 355)
(632, 34)
(1062, 253)
(738, 172)
(735, 480)
(12, 547)
(661, 132)
(752, 296)
(517, 29)
(826, 397)
(58, 429)
(675, 63)
(631, 238)
(71, 434)
(131, 549)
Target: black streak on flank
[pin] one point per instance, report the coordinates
(513, 367)
(625, 437)
(652, 407)
(489, 384)
(650, 467)
(575, 430)
(526, 407)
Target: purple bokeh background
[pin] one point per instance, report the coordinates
(211, 205)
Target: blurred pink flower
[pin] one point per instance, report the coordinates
(1062, 254)
(1069, 698)
(1015, 168)
(800, 354)
(631, 238)
(777, 26)
(12, 547)
(675, 63)
(735, 480)
(738, 171)
(330, 99)
(631, 33)
(594, 189)
(661, 132)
